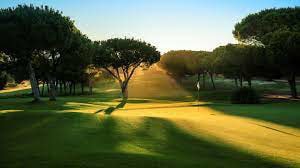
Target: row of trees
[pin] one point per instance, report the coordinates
(49, 47)
(269, 43)
(36, 36)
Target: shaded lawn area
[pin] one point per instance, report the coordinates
(70, 133)
(52, 139)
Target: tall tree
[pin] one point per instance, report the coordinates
(27, 30)
(284, 46)
(277, 30)
(121, 57)
(209, 64)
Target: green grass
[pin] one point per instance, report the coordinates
(85, 140)
(172, 131)
(284, 113)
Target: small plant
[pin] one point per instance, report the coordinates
(245, 95)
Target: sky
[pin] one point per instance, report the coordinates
(166, 24)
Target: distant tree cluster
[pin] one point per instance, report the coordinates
(182, 63)
(269, 43)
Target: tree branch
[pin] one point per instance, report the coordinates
(109, 71)
(117, 69)
(131, 73)
(125, 74)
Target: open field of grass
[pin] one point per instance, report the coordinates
(160, 126)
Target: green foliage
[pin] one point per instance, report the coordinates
(29, 31)
(121, 57)
(25, 29)
(125, 53)
(245, 95)
(176, 63)
(183, 62)
(75, 59)
(237, 60)
(261, 24)
(284, 46)
(278, 30)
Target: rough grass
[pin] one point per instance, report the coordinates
(161, 131)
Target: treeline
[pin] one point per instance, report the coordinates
(43, 46)
(268, 48)
(182, 63)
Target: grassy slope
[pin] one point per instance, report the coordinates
(156, 131)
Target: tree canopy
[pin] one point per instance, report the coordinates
(121, 57)
(278, 30)
(260, 25)
(28, 30)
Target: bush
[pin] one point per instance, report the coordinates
(245, 95)
(3, 80)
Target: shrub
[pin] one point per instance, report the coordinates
(245, 95)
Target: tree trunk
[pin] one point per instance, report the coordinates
(203, 80)
(65, 88)
(91, 90)
(90, 86)
(48, 87)
(124, 90)
(249, 83)
(70, 88)
(74, 88)
(236, 82)
(293, 86)
(212, 80)
(241, 81)
(52, 94)
(37, 81)
(61, 87)
(33, 83)
(56, 84)
(43, 87)
(82, 87)
(124, 93)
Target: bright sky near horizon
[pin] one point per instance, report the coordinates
(167, 24)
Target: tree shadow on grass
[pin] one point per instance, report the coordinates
(76, 103)
(110, 110)
(162, 136)
(77, 139)
(122, 104)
